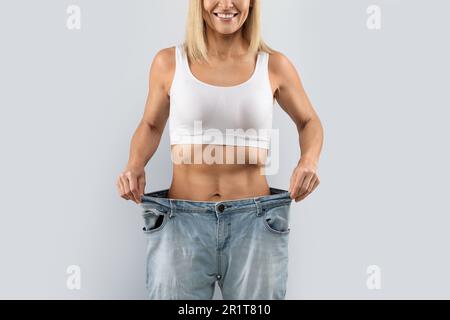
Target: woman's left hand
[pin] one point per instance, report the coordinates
(304, 180)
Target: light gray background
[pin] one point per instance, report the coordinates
(70, 101)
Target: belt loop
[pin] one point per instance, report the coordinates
(170, 208)
(258, 207)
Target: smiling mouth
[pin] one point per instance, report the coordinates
(225, 16)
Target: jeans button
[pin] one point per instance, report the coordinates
(221, 207)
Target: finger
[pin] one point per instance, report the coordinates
(314, 184)
(142, 184)
(126, 187)
(297, 184)
(301, 197)
(133, 188)
(141, 187)
(123, 193)
(305, 185)
(119, 187)
(292, 181)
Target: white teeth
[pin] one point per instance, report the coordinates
(225, 16)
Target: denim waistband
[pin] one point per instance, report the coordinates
(158, 200)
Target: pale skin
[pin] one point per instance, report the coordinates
(230, 65)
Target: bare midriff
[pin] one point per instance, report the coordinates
(217, 172)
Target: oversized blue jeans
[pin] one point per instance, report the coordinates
(242, 244)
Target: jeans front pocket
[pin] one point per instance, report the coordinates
(154, 221)
(276, 219)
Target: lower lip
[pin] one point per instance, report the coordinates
(226, 19)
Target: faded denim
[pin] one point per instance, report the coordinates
(242, 244)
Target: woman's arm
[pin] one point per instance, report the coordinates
(292, 98)
(146, 138)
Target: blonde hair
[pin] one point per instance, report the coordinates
(195, 42)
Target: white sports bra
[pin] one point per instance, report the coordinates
(202, 113)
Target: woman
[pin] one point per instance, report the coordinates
(220, 220)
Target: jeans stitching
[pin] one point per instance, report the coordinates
(268, 227)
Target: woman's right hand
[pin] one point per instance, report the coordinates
(131, 183)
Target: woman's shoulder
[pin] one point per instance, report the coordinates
(277, 59)
(279, 63)
(164, 61)
(163, 66)
(165, 56)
